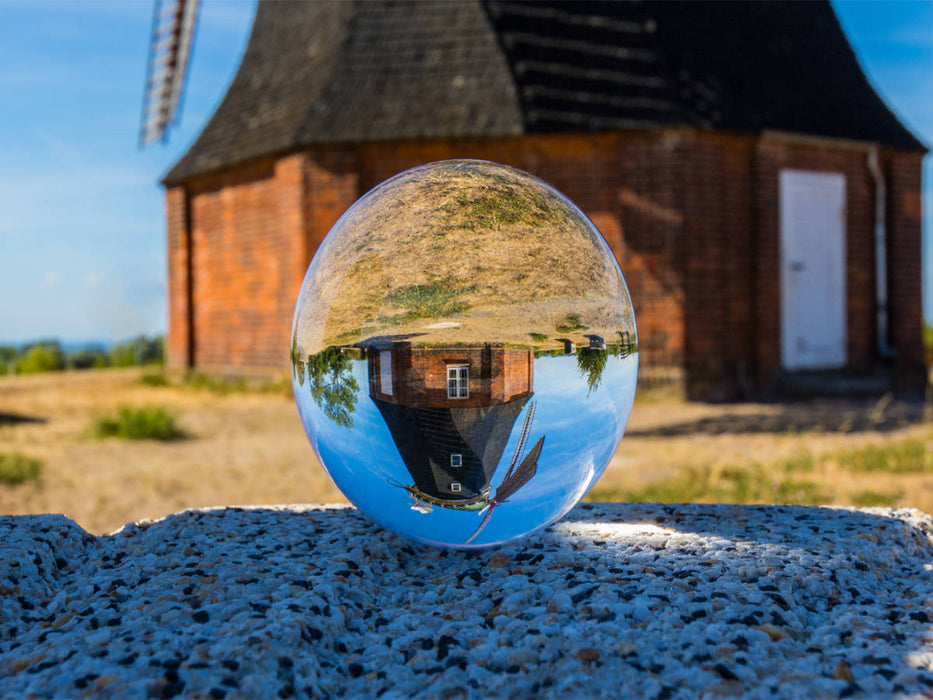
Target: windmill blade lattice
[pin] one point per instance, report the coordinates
(173, 25)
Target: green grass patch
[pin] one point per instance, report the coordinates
(501, 204)
(148, 423)
(904, 457)
(18, 469)
(571, 324)
(154, 379)
(215, 383)
(224, 385)
(743, 485)
(433, 300)
(538, 337)
(873, 499)
(799, 463)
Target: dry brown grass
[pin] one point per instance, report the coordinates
(480, 253)
(244, 447)
(249, 448)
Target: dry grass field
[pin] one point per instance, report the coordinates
(247, 447)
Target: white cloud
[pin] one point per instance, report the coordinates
(92, 279)
(51, 278)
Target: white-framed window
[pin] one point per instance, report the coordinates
(455, 487)
(456, 460)
(385, 372)
(458, 381)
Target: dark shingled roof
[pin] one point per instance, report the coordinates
(351, 71)
(426, 437)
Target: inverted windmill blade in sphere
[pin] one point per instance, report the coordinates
(173, 25)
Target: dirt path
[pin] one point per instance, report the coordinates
(249, 448)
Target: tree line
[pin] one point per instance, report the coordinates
(50, 356)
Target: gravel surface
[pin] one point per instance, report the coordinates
(615, 600)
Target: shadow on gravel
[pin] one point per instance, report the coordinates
(817, 416)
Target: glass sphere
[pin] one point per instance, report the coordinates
(464, 354)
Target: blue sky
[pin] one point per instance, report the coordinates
(82, 233)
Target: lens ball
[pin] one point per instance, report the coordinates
(464, 354)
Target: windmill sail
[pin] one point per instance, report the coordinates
(173, 24)
(511, 484)
(522, 475)
(523, 438)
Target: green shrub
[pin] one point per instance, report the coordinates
(138, 351)
(40, 358)
(148, 423)
(538, 337)
(87, 359)
(215, 384)
(154, 379)
(18, 469)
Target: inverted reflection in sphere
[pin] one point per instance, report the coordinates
(464, 354)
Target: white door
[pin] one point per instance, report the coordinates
(813, 270)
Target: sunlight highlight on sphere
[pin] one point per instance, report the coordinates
(464, 354)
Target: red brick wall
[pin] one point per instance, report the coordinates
(713, 255)
(419, 374)
(332, 184)
(691, 216)
(903, 171)
(178, 350)
(248, 258)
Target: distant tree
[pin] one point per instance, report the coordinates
(299, 367)
(8, 355)
(141, 350)
(87, 358)
(46, 357)
(123, 354)
(333, 386)
(591, 364)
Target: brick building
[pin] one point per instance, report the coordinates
(450, 411)
(422, 376)
(762, 201)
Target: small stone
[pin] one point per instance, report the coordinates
(355, 670)
(725, 689)
(61, 620)
(725, 672)
(498, 560)
(843, 672)
(775, 633)
(559, 602)
(201, 616)
(522, 657)
(587, 655)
